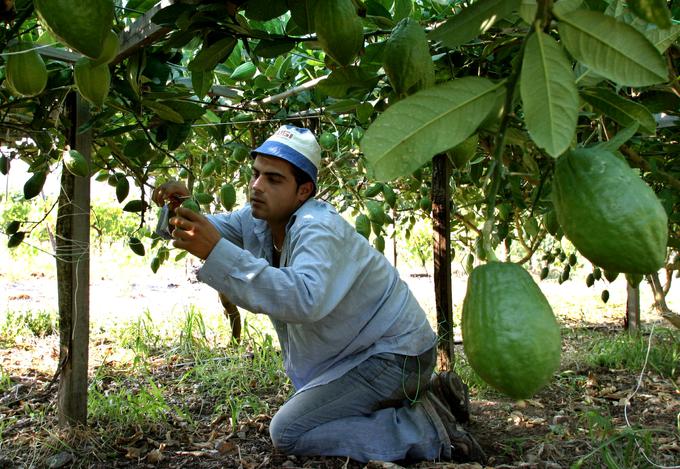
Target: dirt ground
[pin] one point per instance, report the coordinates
(597, 411)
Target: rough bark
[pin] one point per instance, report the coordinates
(632, 321)
(441, 219)
(73, 278)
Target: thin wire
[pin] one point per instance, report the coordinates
(29, 50)
(625, 407)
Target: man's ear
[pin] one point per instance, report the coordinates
(305, 190)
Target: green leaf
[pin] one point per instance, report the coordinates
(412, 131)
(163, 111)
(549, 94)
(301, 17)
(210, 55)
(169, 15)
(177, 134)
(652, 11)
(611, 48)
(244, 72)
(472, 21)
(527, 10)
(271, 48)
(619, 139)
(344, 81)
(620, 109)
(402, 9)
(135, 206)
(202, 81)
(662, 38)
(188, 110)
(264, 10)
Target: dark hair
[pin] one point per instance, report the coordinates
(302, 177)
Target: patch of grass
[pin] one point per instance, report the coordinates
(627, 351)
(615, 447)
(5, 381)
(141, 336)
(27, 324)
(127, 403)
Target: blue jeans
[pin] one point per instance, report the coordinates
(370, 413)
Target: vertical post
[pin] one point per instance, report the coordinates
(441, 220)
(633, 309)
(73, 276)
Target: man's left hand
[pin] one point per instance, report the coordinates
(193, 232)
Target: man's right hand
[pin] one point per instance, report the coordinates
(171, 192)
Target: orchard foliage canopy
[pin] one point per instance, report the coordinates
(503, 87)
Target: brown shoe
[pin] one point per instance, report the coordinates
(464, 447)
(450, 389)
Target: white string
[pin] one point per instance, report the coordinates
(625, 407)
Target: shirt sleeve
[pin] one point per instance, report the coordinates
(314, 281)
(229, 225)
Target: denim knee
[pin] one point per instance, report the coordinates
(281, 434)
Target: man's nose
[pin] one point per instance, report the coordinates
(255, 183)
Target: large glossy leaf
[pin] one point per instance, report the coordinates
(653, 11)
(611, 48)
(620, 109)
(549, 94)
(472, 21)
(433, 120)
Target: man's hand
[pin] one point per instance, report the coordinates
(194, 233)
(172, 192)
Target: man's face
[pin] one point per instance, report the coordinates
(274, 193)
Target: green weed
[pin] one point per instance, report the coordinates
(27, 324)
(126, 402)
(630, 352)
(193, 336)
(141, 336)
(5, 381)
(615, 447)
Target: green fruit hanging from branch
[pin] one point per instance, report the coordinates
(93, 81)
(510, 335)
(609, 214)
(82, 25)
(25, 70)
(339, 29)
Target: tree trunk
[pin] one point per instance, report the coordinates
(660, 300)
(73, 277)
(441, 219)
(632, 321)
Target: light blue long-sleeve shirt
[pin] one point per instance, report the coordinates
(334, 301)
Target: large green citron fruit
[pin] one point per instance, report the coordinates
(80, 24)
(407, 60)
(25, 70)
(93, 81)
(608, 213)
(339, 29)
(510, 335)
(110, 49)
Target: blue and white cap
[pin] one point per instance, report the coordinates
(296, 145)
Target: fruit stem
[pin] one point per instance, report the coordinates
(497, 170)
